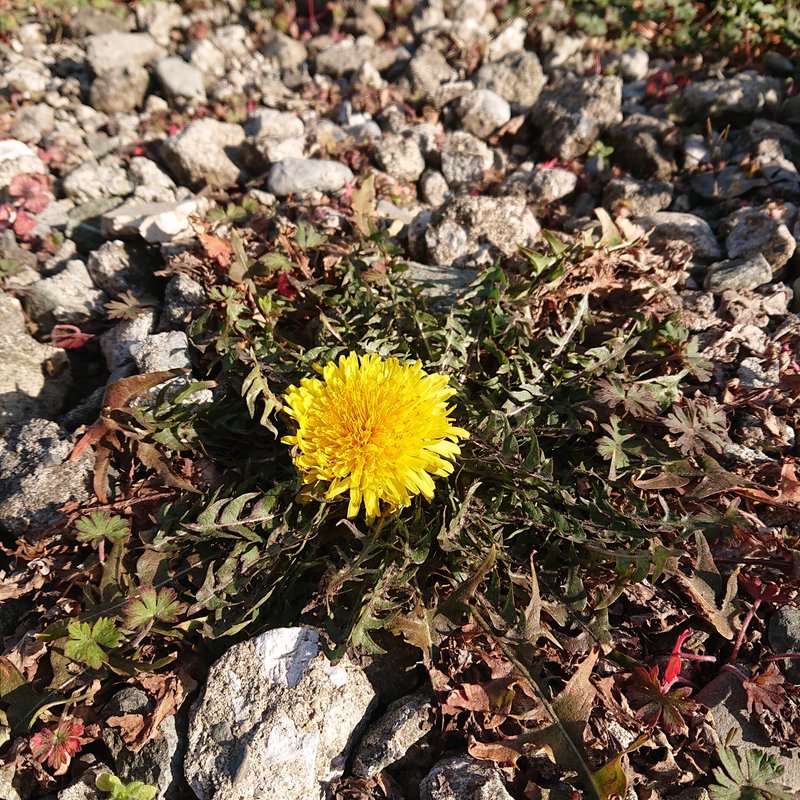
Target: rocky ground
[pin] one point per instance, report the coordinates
(135, 135)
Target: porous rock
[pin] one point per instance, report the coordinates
(16, 158)
(474, 230)
(181, 80)
(463, 778)
(112, 51)
(68, 296)
(738, 274)
(641, 145)
(482, 112)
(389, 738)
(93, 181)
(464, 159)
(571, 114)
(115, 270)
(752, 232)
(640, 197)
(517, 77)
(742, 95)
(34, 377)
(301, 176)
(689, 228)
(400, 156)
(162, 351)
(205, 152)
(36, 478)
(119, 90)
(276, 720)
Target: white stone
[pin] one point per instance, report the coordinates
(276, 720)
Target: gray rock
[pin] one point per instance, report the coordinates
(726, 700)
(89, 21)
(464, 159)
(738, 274)
(210, 60)
(433, 187)
(118, 343)
(159, 762)
(471, 231)
(35, 477)
(689, 228)
(181, 296)
(163, 351)
(388, 739)
(93, 181)
(463, 778)
(344, 57)
(180, 80)
(301, 176)
(151, 184)
(634, 64)
(119, 91)
(784, 637)
(114, 270)
(16, 158)
(276, 720)
(518, 77)
(26, 75)
(400, 156)
(482, 112)
(268, 123)
(109, 52)
(548, 185)
(449, 92)
(34, 377)
(154, 222)
(640, 197)
(158, 18)
(753, 231)
(205, 152)
(85, 788)
(37, 119)
(68, 296)
(260, 154)
(429, 69)
(754, 373)
(7, 789)
(744, 95)
(283, 51)
(511, 39)
(641, 146)
(571, 114)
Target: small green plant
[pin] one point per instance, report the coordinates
(99, 526)
(151, 606)
(89, 643)
(758, 781)
(127, 306)
(135, 790)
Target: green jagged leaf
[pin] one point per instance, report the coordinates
(99, 525)
(89, 643)
(307, 237)
(758, 781)
(612, 447)
(152, 605)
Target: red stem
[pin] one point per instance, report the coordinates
(745, 622)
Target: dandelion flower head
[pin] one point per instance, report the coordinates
(375, 427)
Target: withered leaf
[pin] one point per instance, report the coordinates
(765, 690)
(705, 584)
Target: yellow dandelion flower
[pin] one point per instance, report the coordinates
(374, 427)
